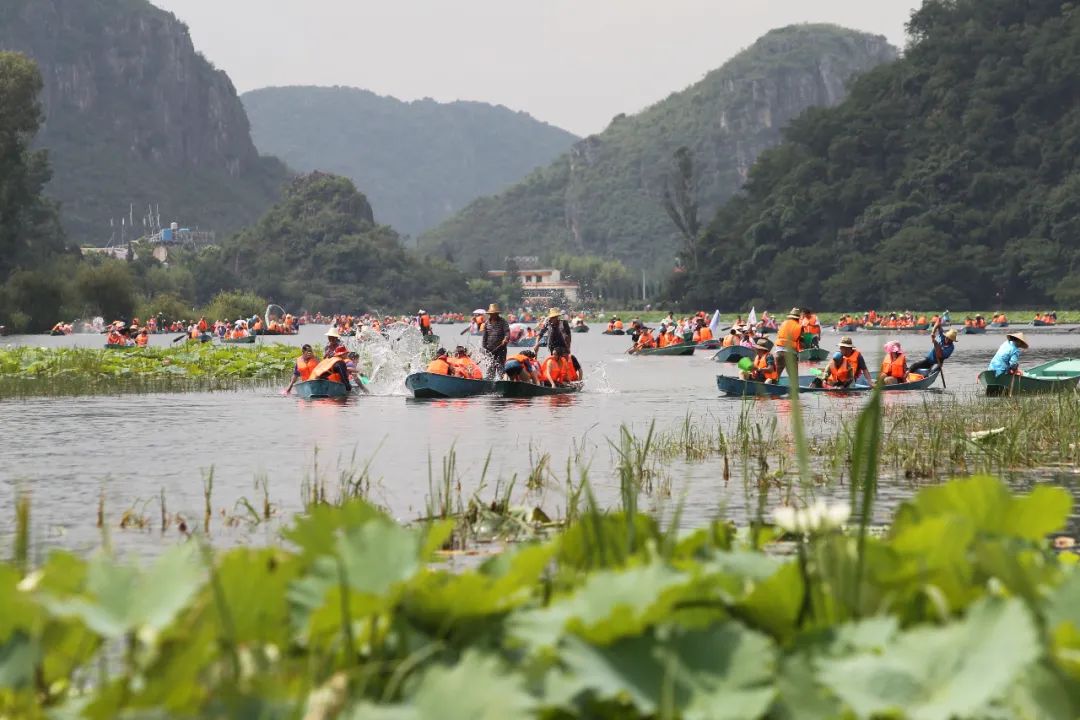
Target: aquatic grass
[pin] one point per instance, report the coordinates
(45, 372)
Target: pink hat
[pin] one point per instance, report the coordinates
(892, 347)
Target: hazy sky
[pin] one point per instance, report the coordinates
(573, 63)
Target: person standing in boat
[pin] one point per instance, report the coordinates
(333, 342)
(789, 339)
(1007, 358)
(557, 332)
(423, 321)
(495, 339)
(944, 346)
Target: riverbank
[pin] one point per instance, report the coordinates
(1018, 319)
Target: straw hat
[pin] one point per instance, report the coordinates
(554, 312)
(846, 342)
(795, 313)
(763, 343)
(952, 335)
(1018, 338)
(493, 309)
(332, 332)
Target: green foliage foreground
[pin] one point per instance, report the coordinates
(959, 611)
(26, 371)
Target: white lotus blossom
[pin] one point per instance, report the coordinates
(817, 517)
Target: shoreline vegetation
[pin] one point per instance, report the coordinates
(1018, 318)
(43, 372)
(354, 617)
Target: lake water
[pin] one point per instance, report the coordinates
(67, 451)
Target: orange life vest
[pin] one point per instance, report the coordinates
(811, 325)
(789, 335)
(425, 322)
(846, 372)
(645, 340)
(894, 367)
(325, 370)
(305, 367)
(465, 368)
(570, 373)
(618, 325)
(438, 366)
(729, 340)
(552, 370)
(764, 364)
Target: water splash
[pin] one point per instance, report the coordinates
(597, 380)
(387, 358)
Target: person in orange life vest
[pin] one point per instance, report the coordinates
(558, 369)
(572, 370)
(333, 368)
(645, 340)
(846, 367)
(303, 367)
(115, 337)
(441, 364)
(702, 333)
(424, 321)
(618, 323)
(980, 321)
(810, 327)
(732, 338)
(464, 366)
(202, 325)
(143, 338)
(894, 366)
(523, 368)
(789, 339)
(764, 367)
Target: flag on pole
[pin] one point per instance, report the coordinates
(751, 319)
(714, 324)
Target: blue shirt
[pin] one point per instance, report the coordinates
(947, 348)
(1006, 358)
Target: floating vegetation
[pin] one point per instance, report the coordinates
(36, 372)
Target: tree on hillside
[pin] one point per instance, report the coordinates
(29, 228)
(679, 199)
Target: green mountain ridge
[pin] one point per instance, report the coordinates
(136, 117)
(418, 161)
(602, 197)
(948, 178)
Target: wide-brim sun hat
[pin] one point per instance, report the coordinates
(764, 344)
(846, 342)
(952, 335)
(554, 312)
(795, 313)
(1018, 338)
(332, 332)
(493, 308)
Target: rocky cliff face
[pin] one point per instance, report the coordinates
(135, 116)
(602, 197)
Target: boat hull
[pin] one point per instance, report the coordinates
(312, 389)
(511, 389)
(968, 330)
(247, 340)
(738, 387)
(748, 388)
(1052, 377)
(680, 350)
(708, 345)
(524, 343)
(579, 328)
(813, 354)
(846, 328)
(999, 324)
(431, 385)
(733, 354)
(614, 332)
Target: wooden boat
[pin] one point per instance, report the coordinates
(264, 331)
(522, 343)
(749, 388)
(680, 350)
(813, 354)
(921, 326)
(246, 340)
(1042, 323)
(117, 346)
(613, 332)
(430, 385)
(579, 328)
(1054, 376)
(972, 330)
(431, 339)
(512, 389)
(733, 354)
(999, 324)
(311, 389)
(713, 344)
(850, 327)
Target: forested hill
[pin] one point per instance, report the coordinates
(950, 178)
(603, 197)
(418, 161)
(134, 116)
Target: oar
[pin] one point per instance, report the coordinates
(941, 371)
(178, 339)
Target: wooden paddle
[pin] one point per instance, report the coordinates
(178, 339)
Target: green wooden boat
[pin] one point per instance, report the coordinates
(246, 340)
(1054, 376)
(512, 389)
(733, 354)
(117, 346)
(972, 330)
(431, 385)
(313, 389)
(680, 350)
(432, 339)
(813, 354)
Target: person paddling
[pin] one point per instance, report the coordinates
(1007, 358)
(333, 368)
(944, 346)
